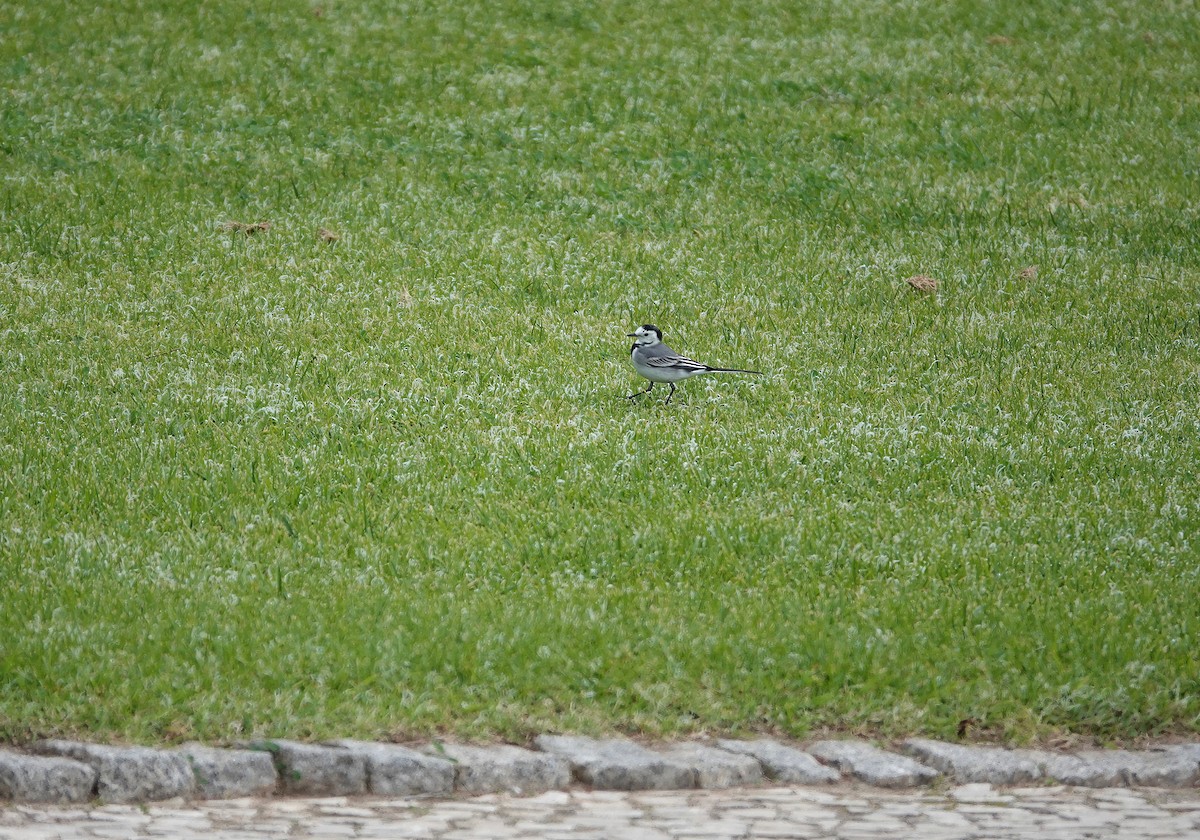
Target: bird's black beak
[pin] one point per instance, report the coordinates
(631, 335)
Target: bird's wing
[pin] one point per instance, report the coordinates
(675, 361)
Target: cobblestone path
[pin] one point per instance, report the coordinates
(849, 812)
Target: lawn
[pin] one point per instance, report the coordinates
(384, 482)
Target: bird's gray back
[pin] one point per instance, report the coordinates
(656, 351)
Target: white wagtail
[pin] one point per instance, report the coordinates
(659, 363)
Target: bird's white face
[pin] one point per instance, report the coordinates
(646, 335)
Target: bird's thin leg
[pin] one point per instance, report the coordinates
(668, 402)
(633, 397)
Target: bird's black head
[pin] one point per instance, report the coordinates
(646, 335)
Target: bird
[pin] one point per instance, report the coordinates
(659, 363)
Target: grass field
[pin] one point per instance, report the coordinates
(389, 485)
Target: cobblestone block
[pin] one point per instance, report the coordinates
(1176, 766)
(872, 765)
(618, 764)
(1189, 752)
(504, 769)
(1152, 768)
(226, 774)
(716, 768)
(36, 778)
(1070, 770)
(311, 770)
(393, 770)
(128, 774)
(975, 764)
(782, 763)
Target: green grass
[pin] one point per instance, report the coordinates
(390, 485)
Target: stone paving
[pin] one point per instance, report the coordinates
(843, 811)
(577, 787)
(66, 772)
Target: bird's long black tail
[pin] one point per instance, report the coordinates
(732, 370)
